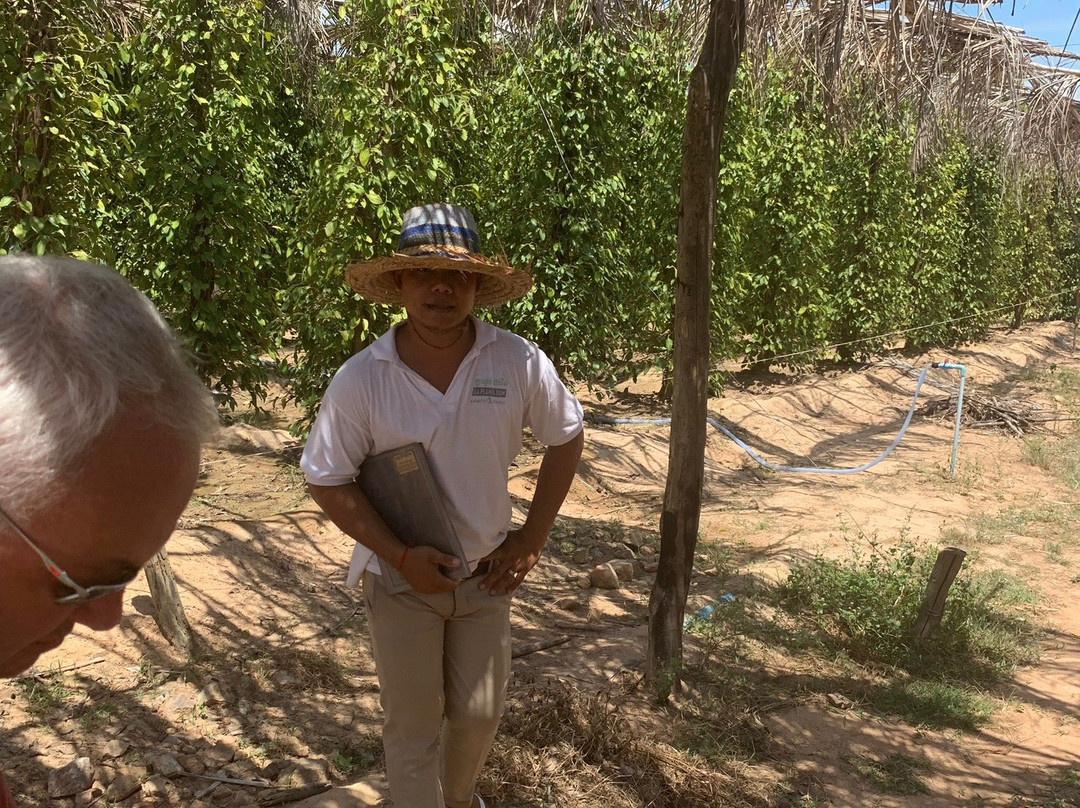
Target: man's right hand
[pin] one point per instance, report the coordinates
(421, 570)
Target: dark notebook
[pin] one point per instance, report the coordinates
(400, 486)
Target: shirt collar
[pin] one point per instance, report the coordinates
(385, 348)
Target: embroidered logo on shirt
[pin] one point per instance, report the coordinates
(488, 390)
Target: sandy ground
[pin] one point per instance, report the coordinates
(283, 689)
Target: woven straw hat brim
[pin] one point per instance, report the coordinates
(372, 279)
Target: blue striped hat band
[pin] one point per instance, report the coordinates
(438, 234)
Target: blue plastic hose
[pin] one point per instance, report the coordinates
(600, 419)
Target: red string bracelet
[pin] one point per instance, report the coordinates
(401, 563)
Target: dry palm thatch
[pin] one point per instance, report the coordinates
(920, 61)
(937, 70)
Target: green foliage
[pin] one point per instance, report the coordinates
(57, 101)
(934, 704)
(873, 251)
(937, 208)
(975, 288)
(186, 148)
(44, 695)
(867, 606)
(194, 221)
(396, 108)
(895, 774)
(578, 178)
(773, 228)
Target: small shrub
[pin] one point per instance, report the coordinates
(867, 606)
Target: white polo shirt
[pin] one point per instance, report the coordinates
(472, 433)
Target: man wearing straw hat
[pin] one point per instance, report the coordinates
(465, 390)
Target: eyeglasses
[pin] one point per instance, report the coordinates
(79, 594)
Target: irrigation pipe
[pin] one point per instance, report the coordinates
(601, 419)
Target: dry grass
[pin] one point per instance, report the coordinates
(558, 745)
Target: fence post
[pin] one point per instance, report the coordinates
(937, 589)
(168, 611)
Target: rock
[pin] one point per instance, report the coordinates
(224, 794)
(72, 779)
(603, 576)
(647, 550)
(272, 770)
(621, 551)
(283, 679)
(220, 753)
(193, 764)
(166, 765)
(650, 565)
(558, 570)
(155, 786)
(211, 694)
(84, 798)
(176, 703)
(623, 568)
(840, 701)
(310, 771)
(571, 604)
(139, 732)
(115, 748)
(122, 787)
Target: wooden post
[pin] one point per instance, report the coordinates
(168, 610)
(710, 86)
(937, 589)
(1076, 316)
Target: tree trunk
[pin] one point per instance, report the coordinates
(168, 610)
(710, 85)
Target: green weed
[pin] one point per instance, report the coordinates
(44, 695)
(1061, 458)
(1048, 520)
(934, 704)
(867, 606)
(96, 716)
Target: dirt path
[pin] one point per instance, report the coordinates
(284, 689)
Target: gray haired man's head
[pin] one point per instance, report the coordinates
(78, 346)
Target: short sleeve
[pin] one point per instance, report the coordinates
(551, 411)
(340, 438)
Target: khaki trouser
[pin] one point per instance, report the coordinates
(443, 662)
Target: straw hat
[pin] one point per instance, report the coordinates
(438, 236)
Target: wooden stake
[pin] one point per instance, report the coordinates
(168, 610)
(937, 589)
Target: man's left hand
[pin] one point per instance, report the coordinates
(514, 558)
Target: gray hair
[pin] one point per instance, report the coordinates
(78, 346)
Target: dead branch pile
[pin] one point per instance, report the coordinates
(560, 746)
(983, 411)
(1005, 414)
